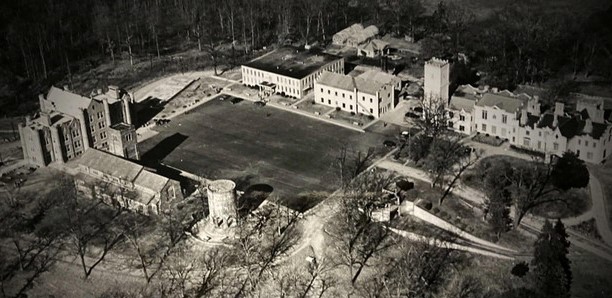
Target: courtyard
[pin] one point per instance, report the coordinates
(255, 145)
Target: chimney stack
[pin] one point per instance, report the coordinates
(588, 126)
(555, 120)
(559, 109)
(113, 91)
(523, 117)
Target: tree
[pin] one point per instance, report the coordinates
(570, 172)
(552, 274)
(358, 238)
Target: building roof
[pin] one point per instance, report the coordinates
(357, 33)
(67, 102)
(118, 167)
(151, 181)
(292, 62)
(459, 103)
(337, 80)
(368, 82)
(110, 165)
(374, 45)
(508, 104)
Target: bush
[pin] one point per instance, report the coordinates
(427, 205)
(435, 210)
(371, 117)
(338, 109)
(352, 113)
(443, 214)
(314, 102)
(520, 269)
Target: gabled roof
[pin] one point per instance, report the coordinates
(337, 80)
(67, 102)
(459, 103)
(379, 76)
(110, 165)
(151, 181)
(508, 104)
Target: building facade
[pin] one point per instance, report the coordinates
(371, 93)
(122, 183)
(289, 71)
(437, 82)
(68, 124)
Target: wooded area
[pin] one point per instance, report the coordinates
(44, 42)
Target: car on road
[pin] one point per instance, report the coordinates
(389, 144)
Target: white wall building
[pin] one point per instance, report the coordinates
(437, 82)
(289, 71)
(370, 93)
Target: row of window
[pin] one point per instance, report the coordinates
(504, 117)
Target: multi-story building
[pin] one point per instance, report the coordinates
(123, 183)
(370, 93)
(68, 124)
(289, 71)
(437, 82)
(461, 109)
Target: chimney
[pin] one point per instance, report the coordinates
(99, 91)
(555, 120)
(28, 119)
(588, 126)
(113, 91)
(523, 117)
(66, 88)
(559, 109)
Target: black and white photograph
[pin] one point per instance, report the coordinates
(306, 148)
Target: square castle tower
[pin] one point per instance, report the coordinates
(436, 89)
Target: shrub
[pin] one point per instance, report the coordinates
(371, 117)
(435, 210)
(338, 109)
(427, 205)
(352, 113)
(443, 214)
(520, 269)
(314, 102)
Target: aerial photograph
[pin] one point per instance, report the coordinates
(306, 148)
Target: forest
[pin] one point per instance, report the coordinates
(45, 42)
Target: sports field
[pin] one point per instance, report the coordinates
(258, 145)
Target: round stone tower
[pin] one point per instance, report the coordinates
(222, 203)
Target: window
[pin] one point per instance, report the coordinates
(594, 145)
(586, 143)
(328, 92)
(371, 101)
(321, 89)
(484, 127)
(103, 135)
(555, 146)
(350, 97)
(526, 132)
(342, 94)
(484, 114)
(589, 155)
(101, 124)
(526, 141)
(329, 101)
(461, 118)
(343, 105)
(91, 118)
(504, 119)
(351, 107)
(539, 145)
(93, 139)
(100, 115)
(371, 111)
(493, 129)
(461, 128)
(539, 133)
(494, 116)
(77, 144)
(579, 142)
(336, 93)
(322, 100)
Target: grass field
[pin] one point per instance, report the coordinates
(258, 145)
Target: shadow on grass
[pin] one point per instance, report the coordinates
(155, 155)
(253, 196)
(147, 109)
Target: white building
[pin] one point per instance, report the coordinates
(437, 82)
(354, 35)
(461, 109)
(370, 93)
(289, 71)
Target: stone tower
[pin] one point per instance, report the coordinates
(222, 203)
(437, 82)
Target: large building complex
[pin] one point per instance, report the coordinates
(68, 124)
(123, 183)
(521, 120)
(370, 93)
(289, 71)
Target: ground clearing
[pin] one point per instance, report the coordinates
(604, 174)
(257, 145)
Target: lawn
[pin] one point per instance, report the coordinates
(257, 145)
